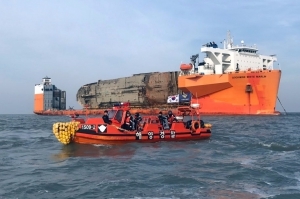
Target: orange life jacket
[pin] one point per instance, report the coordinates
(127, 120)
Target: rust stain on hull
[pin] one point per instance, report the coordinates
(141, 90)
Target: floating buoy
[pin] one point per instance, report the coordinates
(207, 125)
(65, 131)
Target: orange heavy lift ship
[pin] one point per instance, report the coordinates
(233, 80)
(229, 80)
(150, 129)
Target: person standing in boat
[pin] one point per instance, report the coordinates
(106, 118)
(171, 118)
(163, 121)
(137, 120)
(128, 123)
(160, 118)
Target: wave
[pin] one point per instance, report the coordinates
(280, 147)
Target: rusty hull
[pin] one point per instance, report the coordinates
(143, 90)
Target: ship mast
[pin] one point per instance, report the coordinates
(229, 41)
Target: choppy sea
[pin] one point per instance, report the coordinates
(247, 157)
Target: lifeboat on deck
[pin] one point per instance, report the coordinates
(186, 66)
(96, 131)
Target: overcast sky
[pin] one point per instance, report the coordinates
(79, 42)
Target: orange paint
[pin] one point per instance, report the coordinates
(186, 66)
(38, 102)
(95, 131)
(227, 93)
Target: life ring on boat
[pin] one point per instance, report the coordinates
(195, 125)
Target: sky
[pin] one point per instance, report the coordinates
(78, 42)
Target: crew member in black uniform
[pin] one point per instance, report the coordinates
(106, 118)
(137, 120)
(161, 118)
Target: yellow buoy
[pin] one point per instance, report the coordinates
(207, 125)
(65, 131)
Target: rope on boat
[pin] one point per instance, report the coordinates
(65, 131)
(281, 105)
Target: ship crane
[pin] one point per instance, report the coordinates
(194, 59)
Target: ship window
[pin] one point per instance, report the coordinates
(111, 114)
(118, 116)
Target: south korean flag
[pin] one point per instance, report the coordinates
(173, 99)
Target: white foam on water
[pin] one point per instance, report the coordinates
(268, 183)
(43, 191)
(265, 145)
(255, 190)
(280, 147)
(247, 161)
(291, 187)
(297, 175)
(135, 197)
(102, 145)
(232, 193)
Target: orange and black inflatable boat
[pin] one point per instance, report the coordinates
(151, 129)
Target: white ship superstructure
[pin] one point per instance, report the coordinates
(47, 96)
(230, 59)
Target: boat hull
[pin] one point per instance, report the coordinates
(90, 138)
(247, 92)
(118, 129)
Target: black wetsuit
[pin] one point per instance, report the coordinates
(137, 121)
(106, 119)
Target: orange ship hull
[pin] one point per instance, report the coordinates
(246, 92)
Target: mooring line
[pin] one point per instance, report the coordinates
(281, 105)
